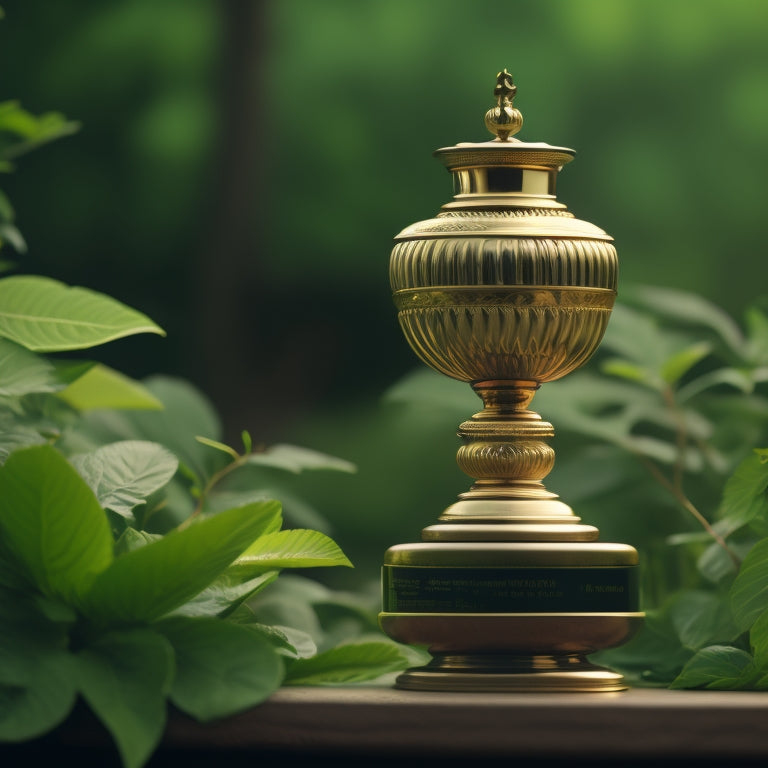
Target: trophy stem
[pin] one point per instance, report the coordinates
(506, 452)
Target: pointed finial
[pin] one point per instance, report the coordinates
(504, 120)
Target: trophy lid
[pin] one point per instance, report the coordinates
(503, 121)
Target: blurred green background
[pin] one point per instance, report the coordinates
(243, 166)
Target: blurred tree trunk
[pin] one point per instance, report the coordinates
(228, 266)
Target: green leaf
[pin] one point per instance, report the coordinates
(719, 667)
(654, 656)
(676, 366)
(37, 679)
(298, 548)
(23, 372)
(131, 539)
(715, 563)
(45, 315)
(52, 522)
(125, 677)
(288, 641)
(686, 308)
(124, 474)
(345, 664)
(102, 387)
(186, 412)
(758, 640)
(231, 452)
(744, 495)
(14, 436)
(149, 582)
(9, 233)
(221, 668)
(629, 371)
(757, 336)
(224, 596)
(749, 591)
(294, 458)
(702, 618)
(44, 702)
(31, 130)
(295, 509)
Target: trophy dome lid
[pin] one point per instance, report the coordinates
(504, 120)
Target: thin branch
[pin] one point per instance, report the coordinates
(690, 507)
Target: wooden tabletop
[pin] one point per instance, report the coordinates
(379, 721)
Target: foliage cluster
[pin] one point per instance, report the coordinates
(137, 549)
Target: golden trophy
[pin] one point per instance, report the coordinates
(506, 290)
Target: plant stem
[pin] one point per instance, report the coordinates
(690, 507)
(215, 478)
(675, 485)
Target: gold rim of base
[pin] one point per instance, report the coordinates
(586, 681)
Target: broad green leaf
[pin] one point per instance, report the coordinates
(45, 315)
(10, 234)
(757, 335)
(23, 372)
(221, 668)
(720, 667)
(702, 618)
(424, 388)
(31, 130)
(638, 338)
(124, 474)
(654, 656)
(629, 371)
(295, 509)
(225, 595)
(131, 539)
(186, 412)
(749, 592)
(289, 641)
(14, 436)
(37, 681)
(27, 637)
(715, 563)
(294, 458)
(42, 703)
(742, 381)
(149, 582)
(758, 640)
(103, 387)
(345, 664)
(744, 495)
(676, 366)
(298, 548)
(686, 308)
(52, 522)
(125, 678)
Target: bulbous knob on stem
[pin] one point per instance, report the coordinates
(504, 120)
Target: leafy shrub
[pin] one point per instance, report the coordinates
(138, 553)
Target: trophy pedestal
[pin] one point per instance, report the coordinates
(510, 615)
(511, 674)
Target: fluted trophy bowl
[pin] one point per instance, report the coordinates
(506, 290)
(470, 309)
